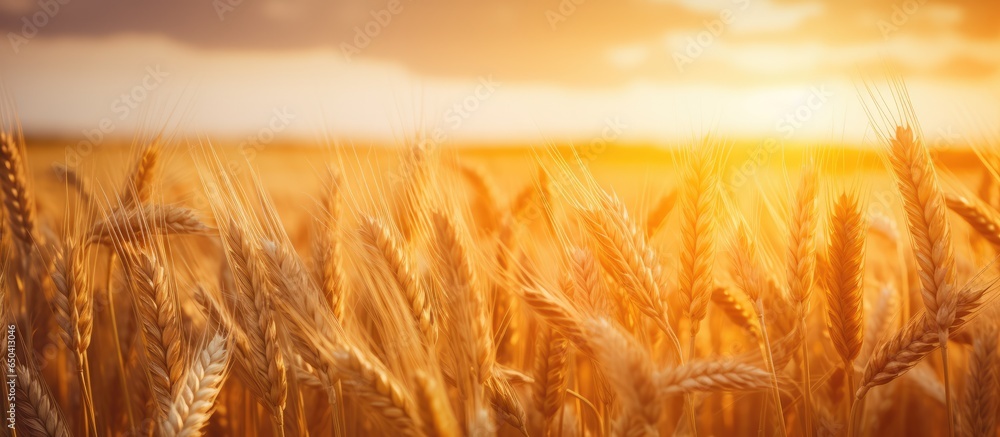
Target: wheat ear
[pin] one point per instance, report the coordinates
(735, 311)
(40, 413)
(801, 271)
(160, 326)
(74, 311)
(917, 339)
(266, 362)
(930, 234)
(484, 206)
(699, 199)
(550, 375)
(470, 328)
(138, 224)
(392, 255)
(658, 215)
(558, 315)
(630, 371)
(139, 183)
(327, 250)
(624, 253)
(749, 273)
(436, 414)
(978, 214)
(17, 197)
(982, 384)
(712, 376)
(193, 406)
(845, 280)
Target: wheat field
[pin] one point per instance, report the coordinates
(182, 288)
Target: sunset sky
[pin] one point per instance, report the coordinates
(494, 70)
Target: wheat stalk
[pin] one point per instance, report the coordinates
(71, 177)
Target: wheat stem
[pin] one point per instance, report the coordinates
(769, 362)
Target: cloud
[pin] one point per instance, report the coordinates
(574, 43)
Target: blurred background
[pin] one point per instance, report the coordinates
(494, 71)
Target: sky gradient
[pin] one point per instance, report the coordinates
(494, 70)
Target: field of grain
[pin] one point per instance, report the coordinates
(179, 288)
